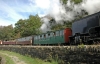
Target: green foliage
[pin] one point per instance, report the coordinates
(75, 1)
(7, 32)
(19, 27)
(67, 24)
(28, 27)
(81, 46)
(57, 27)
(22, 28)
(64, 1)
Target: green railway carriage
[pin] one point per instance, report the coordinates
(56, 37)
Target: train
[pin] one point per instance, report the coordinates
(85, 30)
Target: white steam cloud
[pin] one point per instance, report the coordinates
(45, 26)
(69, 11)
(91, 6)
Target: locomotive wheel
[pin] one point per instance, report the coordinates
(90, 42)
(95, 42)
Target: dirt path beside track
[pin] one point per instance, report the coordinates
(14, 58)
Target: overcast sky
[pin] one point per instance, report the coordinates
(13, 10)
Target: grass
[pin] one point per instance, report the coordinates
(7, 59)
(26, 59)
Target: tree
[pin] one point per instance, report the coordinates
(28, 27)
(6, 33)
(57, 26)
(34, 23)
(20, 27)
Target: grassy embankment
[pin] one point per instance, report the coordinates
(26, 59)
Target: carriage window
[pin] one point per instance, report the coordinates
(49, 35)
(44, 36)
(54, 34)
(40, 36)
(35, 38)
(23, 39)
(57, 33)
(61, 32)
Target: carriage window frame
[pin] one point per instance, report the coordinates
(44, 35)
(61, 32)
(57, 33)
(51, 34)
(35, 38)
(38, 37)
(41, 36)
(54, 33)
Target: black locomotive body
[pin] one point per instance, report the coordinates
(86, 30)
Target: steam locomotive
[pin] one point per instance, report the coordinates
(85, 30)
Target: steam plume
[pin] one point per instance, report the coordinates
(69, 11)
